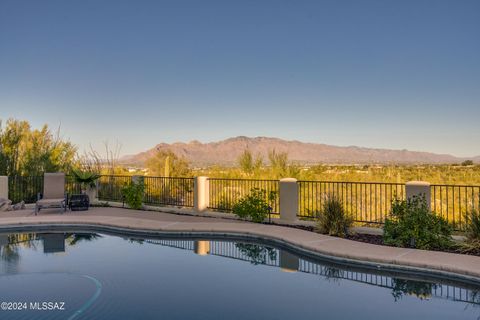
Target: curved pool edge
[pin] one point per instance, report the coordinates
(356, 259)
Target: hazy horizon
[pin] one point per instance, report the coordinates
(375, 74)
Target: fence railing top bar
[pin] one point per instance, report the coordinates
(456, 185)
(124, 176)
(182, 178)
(240, 179)
(353, 182)
(115, 176)
(17, 176)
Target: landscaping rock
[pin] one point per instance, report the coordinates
(19, 206)
(5, 205)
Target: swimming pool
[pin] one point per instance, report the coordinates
(85, 275)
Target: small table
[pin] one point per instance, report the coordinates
(78, 202)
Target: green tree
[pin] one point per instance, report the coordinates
(27, 151)
(248, 164)
(278, 163)
(168, 162)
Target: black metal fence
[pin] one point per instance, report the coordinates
(21, 188)
(453, 202)
(367, 202)
(71, 186)
(27, 188)
(171, 191)
(224, 193)
(109, 188)
(158, 190)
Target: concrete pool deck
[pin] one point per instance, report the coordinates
(161, 222)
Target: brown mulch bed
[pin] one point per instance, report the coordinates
(378, 240)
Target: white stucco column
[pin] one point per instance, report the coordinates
(288, 199)
(200, 194)
(137, 179)
(4, 187)
(202, 247)
(418, 189)
(288, 261)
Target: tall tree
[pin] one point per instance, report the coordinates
(278, 162)
(247, 162)
(167, 163)
(27, 151)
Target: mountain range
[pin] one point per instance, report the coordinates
(226, 152)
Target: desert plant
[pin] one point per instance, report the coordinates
(472, 231)
(411, 223)
(255, 206)
(258, 254)
(419, 289)
(133, 193)
(333, 219)
(85, 178)
(472, 221)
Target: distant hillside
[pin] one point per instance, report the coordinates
(226, 152)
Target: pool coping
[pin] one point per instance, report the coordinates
(337, 250)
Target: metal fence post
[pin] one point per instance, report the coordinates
(4, 187)
(418, 189)
(200, 193)
(288, 199)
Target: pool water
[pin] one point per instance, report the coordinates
(100, 276)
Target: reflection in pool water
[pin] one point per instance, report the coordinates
(112, 277)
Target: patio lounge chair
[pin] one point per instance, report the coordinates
(54, 195)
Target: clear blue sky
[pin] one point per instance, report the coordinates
(388, 74)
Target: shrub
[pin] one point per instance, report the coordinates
(255, 205)
(412, 224)
(420, 289)
(333, 219)
(472, 220)
(467, 163)
(258, 254)
(472, 231)
(133, 193)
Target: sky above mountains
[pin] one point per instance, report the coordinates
(385, 73)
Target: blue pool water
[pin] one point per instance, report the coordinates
(98, 276)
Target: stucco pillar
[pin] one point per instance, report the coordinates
(137, 179)
(4, 187)
(288, 199)
(418, 189)
(200, 193)
(3, 240)
(288, 262)
(202, 247)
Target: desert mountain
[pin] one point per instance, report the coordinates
(226, 152)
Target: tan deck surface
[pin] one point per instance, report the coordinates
(160, 221)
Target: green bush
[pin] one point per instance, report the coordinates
(411, 223)
(333, 219)
(472, 231)
(255, 206)
(133, 193)
(472, 220)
